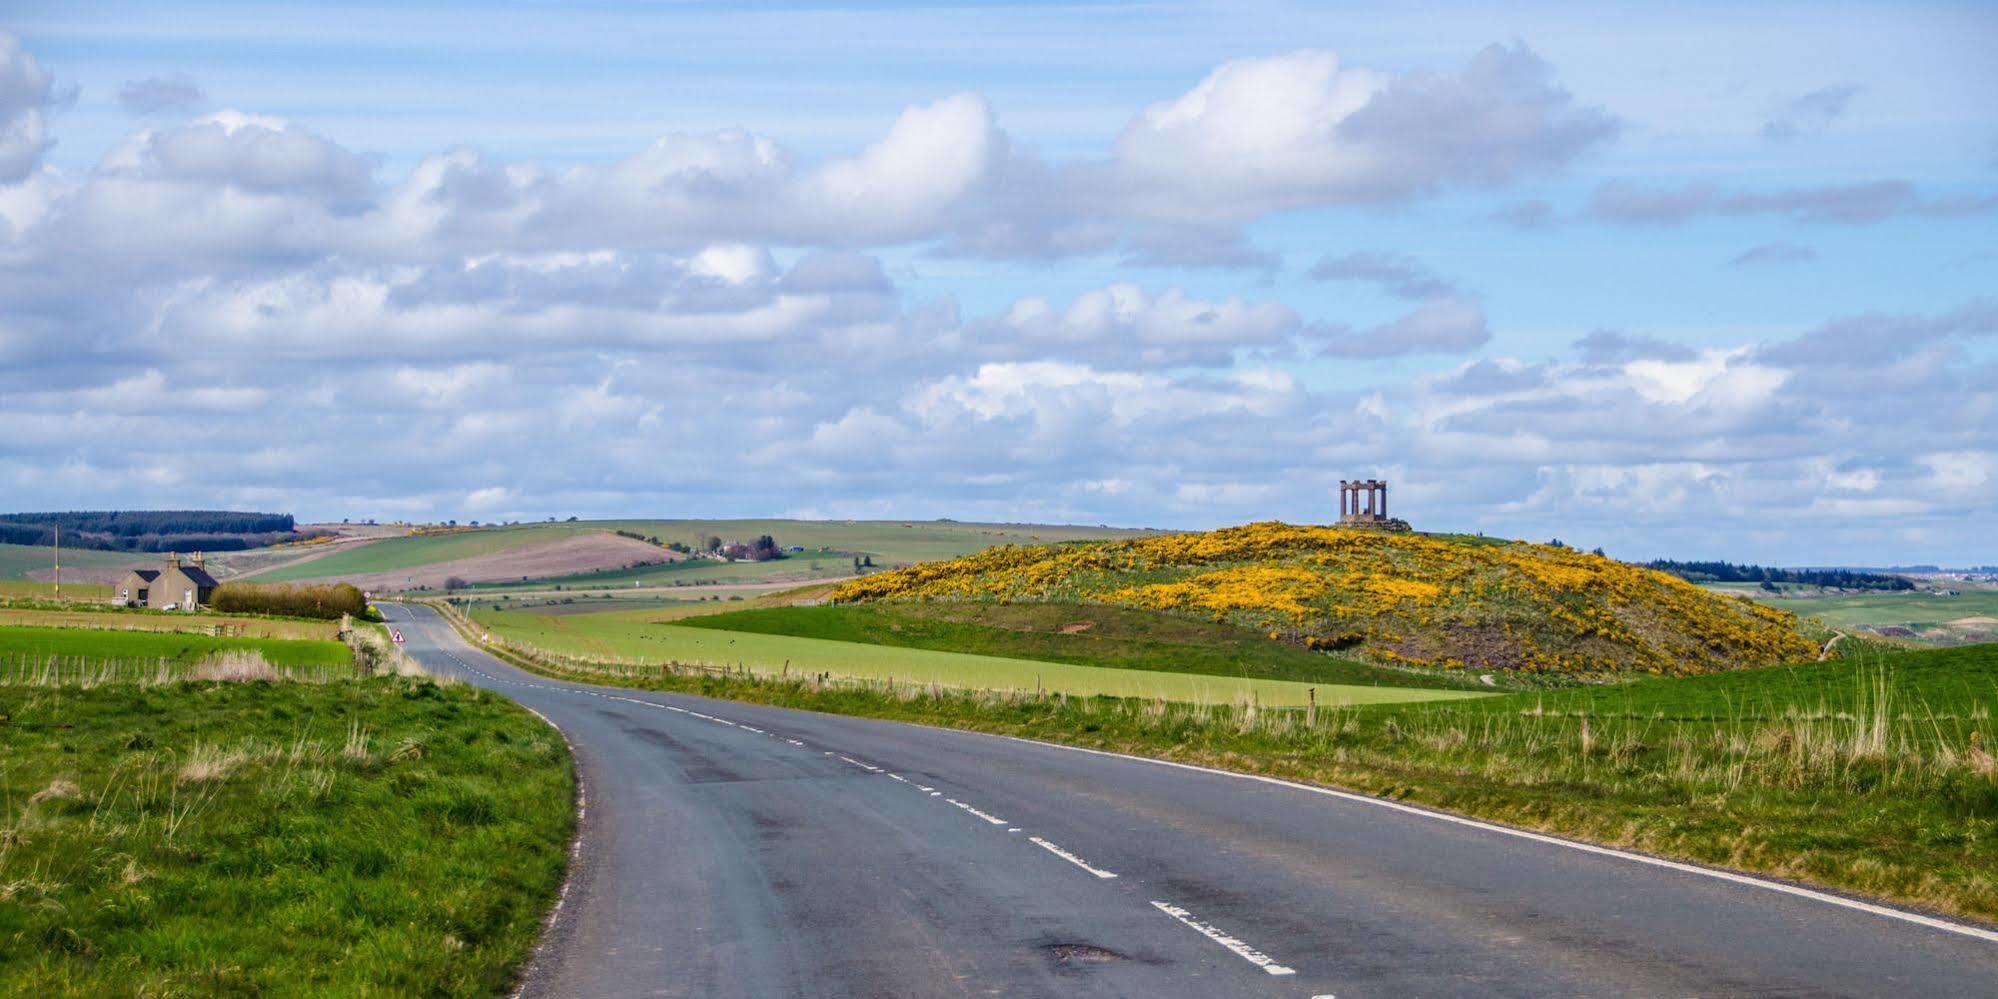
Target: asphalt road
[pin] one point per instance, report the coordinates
(735, 850)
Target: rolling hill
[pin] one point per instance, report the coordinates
(1448, 601)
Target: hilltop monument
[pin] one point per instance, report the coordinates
(1363, 503)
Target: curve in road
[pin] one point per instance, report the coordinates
(739, 850)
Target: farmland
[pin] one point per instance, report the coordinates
(113, 619)
(632, 637)
(17, 561)
(22, 644)
(1112, 637)
(830, 546)
(1963, 612)
(385, 836)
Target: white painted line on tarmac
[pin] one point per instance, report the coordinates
(989, 818)
(870, 768)
(1734, 877)
(1070, 857)
(1241, 950)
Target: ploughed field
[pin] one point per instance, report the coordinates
(1431, 601)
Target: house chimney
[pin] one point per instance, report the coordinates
(173, 560)
(197, 560)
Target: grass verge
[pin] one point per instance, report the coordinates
(1861, 775)
(385, 836)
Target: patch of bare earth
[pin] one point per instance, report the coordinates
(591, 552)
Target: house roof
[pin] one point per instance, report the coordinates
(196, 575)
(146, 574)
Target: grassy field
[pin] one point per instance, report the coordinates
(119, 619)
(18, 644)
(1861, 774)
(367, 837)
(1918, 611)
(1112, 637)
(690, 572)
(633, 637)
(16, 561)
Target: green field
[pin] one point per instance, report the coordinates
(689, 572)
(632, 636)
(367, 837)
(1917, 610)
(1096, 636)
(18, 644)
(16, 561)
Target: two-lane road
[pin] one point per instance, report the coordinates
(736, 850)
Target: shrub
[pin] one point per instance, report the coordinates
(323, 602)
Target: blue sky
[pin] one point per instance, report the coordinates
(1682, 280)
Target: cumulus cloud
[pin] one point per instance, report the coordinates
(1809, 114)
(27, 93)
(1267, 133)
(157, 95)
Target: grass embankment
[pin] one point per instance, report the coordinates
(386, 836)
(19, 646)
(632, 640)
(1859, 775)
(1111, 637)
(104, 618)
(1444, 601)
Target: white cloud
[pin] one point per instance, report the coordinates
(27, 92)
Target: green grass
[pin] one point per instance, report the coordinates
(1858, 774)
(1116, 638)
(367, 837)
(632, 637)
(34, 644)
(1910, 609)
(16, 561)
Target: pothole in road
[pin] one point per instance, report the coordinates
(1081, 953)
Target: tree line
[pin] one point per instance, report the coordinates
(323, 602)
(1728, 572)
(148, 530)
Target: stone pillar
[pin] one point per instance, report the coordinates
(1383, 500)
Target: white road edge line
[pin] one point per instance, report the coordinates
(1747, 880)
(1070, 857)
(1240, 949)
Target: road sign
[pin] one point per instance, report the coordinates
(395, 635)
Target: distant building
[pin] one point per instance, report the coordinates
(184, 587)
(136, 588)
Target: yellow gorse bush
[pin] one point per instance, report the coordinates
(1428, 600)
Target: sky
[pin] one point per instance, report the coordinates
(1677, 280)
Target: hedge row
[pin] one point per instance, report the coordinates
(327, 602)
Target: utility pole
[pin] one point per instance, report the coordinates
(58, 548)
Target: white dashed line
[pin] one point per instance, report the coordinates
(1241, 950)
(1070, 857)
(989, 818)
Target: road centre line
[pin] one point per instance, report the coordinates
(1240, 949)
(987, 817)
(1605, 851)
(1070, 857)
